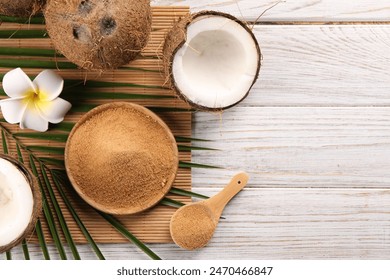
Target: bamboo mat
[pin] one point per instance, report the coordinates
(151, 226)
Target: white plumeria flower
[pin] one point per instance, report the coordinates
(33, 104)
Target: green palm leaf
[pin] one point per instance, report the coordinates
(30, 51)
(59, 183)
(47, 162)
(187, 193)
(60, 216)
(172, 203)
(48, 213)
(119, 227)
(23, 34)
(24, 243)
(34, 20)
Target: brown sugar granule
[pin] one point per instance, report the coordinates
(121, 158)
(193, 226)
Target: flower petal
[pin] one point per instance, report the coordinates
(13, 109)
(49, 84)
(33, 120)
(54, 111)
(16, 83)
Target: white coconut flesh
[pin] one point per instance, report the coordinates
(217, 65)
(16, 203)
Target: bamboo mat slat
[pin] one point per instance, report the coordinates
(151, 226)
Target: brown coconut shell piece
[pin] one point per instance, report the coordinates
(37, 206)
(96, 34)
(21, 8)
(177, 37)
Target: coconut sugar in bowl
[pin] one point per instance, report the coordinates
(121, 158)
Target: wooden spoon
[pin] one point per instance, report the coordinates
(193, 225)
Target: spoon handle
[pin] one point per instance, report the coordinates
(218, 202)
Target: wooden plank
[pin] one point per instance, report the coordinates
(297, 147)
(323, 66)
(287, 224)
(297, 10)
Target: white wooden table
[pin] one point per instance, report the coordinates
(314, 135)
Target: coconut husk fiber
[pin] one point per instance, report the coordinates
(21, 8)
(177, 37)
(97, 34)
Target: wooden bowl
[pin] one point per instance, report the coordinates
(121, 158)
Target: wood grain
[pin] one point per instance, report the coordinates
(286, 224)
(323, 66)
(314, 135)
(293, 10)
(297, 147)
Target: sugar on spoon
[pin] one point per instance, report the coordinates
(193, 225)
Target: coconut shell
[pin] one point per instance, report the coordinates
(97, 34)
(21, 8)
(177, 37)
(37, 206)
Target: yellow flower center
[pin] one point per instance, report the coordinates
(35, 99)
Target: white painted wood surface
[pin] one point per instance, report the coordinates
(294, 10)
(337, 65)
(298, 147)
(314, 135)
(285, 224)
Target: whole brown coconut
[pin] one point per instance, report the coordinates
(20, 8)
(99, 34)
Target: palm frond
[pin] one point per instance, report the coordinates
(24, 243)
(48, 214)
(23, 34)
(51, 150)
(53, 199)
(33, 20)
(119, 227)
(59, 183)
(48, 64)
(105, 84)
(47, 161)
(63, 126)
(170, 202)
(57, 137)
(60, 216)
(81, 95)
(187, 193)
(41, 240)
(36, 64)
(26, 252)
(4, 142)
(28, 52)
(183, 164)
(53, 161)
(183, 148)
(189, 139)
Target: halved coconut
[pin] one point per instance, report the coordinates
(20, 203)
(97, 34)
(20, 8)
(211, 60)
